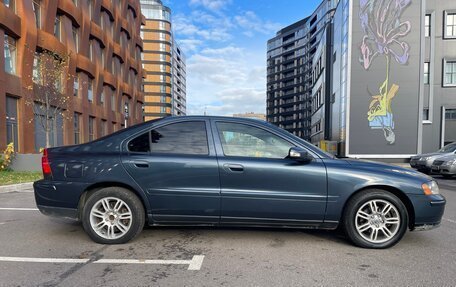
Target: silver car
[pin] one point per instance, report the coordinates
(445, 166)
(423, 162)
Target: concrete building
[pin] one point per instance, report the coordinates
(103, 85)
(384, 79)
(179, 77)
(164, 62)
(289, 71)
(251, 115)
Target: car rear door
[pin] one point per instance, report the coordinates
(179, 171)
(259, 185)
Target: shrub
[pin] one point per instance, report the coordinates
(8, 156)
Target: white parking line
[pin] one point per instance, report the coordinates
(42, 260)
(18, 209)
(194, 264)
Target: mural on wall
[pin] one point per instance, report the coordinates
(383, 30)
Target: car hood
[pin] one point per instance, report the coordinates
(432, 154)
(388, 168)
(448, 157)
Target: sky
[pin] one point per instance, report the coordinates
(225, 46)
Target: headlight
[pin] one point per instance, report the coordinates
(430, 188)
(426, 158)
(451, 162)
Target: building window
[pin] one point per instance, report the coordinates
(104, 126)
(76, 86)
(426, 114)
(91, 52)
(450, 25)
(10, 4)
(113, 103)
(426, 73)
(450, 73)
(427, 25)
(11, 121)
(91, 128)
(162, 89)
(77, 128)
(450, 114)
(36, 73)
(102, 97)
(90, 6)
(57, 27)
(37, 11)
(10, 54)
(76, 39)
(90, 90)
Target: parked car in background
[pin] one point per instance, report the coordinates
(446, 166)
(220, 171)
(423, 162)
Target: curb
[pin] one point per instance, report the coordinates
(16, 187)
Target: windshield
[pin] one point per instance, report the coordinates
(448, 148)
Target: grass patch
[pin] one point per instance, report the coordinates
(13, 177)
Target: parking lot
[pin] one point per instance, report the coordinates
(38, 250)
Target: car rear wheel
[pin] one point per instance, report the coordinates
(375, 219)
(113, 215)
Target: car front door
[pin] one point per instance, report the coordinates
(260, 185)
(176, 166)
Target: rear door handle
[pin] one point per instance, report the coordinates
(141, 164)
(233, 167)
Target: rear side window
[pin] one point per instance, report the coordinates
(140, 144)
(181, 138)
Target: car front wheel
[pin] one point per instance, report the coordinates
(375, 219)
(113, 215)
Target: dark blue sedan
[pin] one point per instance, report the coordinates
(229, 172)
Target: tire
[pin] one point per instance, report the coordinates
(118, 213)
(369, 229)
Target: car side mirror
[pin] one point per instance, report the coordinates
(299, 154)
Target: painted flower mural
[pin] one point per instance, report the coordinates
(383, 32)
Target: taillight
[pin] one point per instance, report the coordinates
(45, 166)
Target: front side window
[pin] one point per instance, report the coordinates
(450, 73)
(248, 141)
(188, 138)
(10, 54)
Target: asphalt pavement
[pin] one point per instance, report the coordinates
(38, 250)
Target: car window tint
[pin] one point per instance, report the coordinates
(140, 144)
(247, 141)
(181, 138)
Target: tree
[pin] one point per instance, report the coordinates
(50, 99)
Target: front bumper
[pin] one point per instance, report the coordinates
(444, 169)
(428, 211)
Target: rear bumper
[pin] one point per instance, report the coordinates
(68, 213)
(58, 199)
(428, 211)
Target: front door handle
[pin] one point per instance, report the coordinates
(141, 164)
(233, 167)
